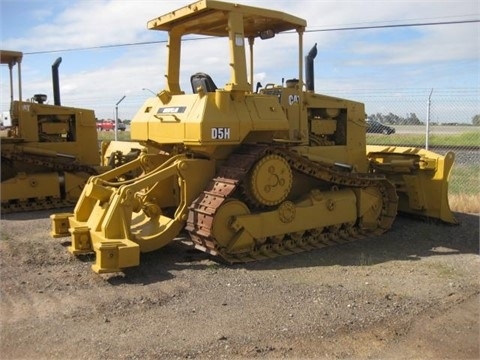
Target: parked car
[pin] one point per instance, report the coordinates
(105, 125)
(378, 128)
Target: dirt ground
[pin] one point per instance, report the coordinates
(412, 293)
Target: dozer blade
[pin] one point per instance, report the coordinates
(119, 219)
(420, 178)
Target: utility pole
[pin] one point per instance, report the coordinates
(116, 116)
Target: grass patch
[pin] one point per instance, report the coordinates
(110, 135)
(464, 139)
(464, 189)
(465, 179)
(418, 140)
(464, 203)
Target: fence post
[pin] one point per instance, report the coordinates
(427, 130)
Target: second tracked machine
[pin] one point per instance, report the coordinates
(249, 173)
(50, 150)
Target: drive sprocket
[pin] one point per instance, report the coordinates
(270, 180)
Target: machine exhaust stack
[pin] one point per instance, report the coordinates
(56, 81)
(309, 68)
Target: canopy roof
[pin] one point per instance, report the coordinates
(10, 57)
(210, 17)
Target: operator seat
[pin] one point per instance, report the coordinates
(202, 80)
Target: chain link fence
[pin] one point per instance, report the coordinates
(440, 121)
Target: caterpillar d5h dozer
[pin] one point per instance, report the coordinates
(50, 151)
(249, 175)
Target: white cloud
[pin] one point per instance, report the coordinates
(347, 59)
(89, 23)
(446, 43)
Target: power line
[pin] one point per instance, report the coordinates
(110, 46)
(364, 23)
(309, 31)
(396, 25)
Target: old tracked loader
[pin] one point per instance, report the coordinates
(50, 151)
(249, 174)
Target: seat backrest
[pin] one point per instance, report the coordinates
(202, 80)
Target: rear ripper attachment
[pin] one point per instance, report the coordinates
(119, 219)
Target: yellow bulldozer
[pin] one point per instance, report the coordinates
(249, 173)
(49, 151)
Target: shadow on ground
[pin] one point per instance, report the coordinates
(408, 240)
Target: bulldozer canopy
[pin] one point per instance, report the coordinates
(10, 57)
(208, 17)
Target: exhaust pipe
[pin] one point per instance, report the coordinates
(309, 68)
(56, 81)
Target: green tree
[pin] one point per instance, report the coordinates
(476, 120)
(391, 119)
(375, 117)
(412, 119)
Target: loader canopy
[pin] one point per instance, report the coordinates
(8, 57)
(12, 58)
(220, 19)
(211, 18)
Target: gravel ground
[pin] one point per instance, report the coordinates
(411, 293)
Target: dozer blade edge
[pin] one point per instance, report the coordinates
(420, 177)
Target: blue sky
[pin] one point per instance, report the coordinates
(359, 64)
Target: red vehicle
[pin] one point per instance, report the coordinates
(105, 125)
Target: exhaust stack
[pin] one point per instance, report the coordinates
(309, 68)
(56, 82)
